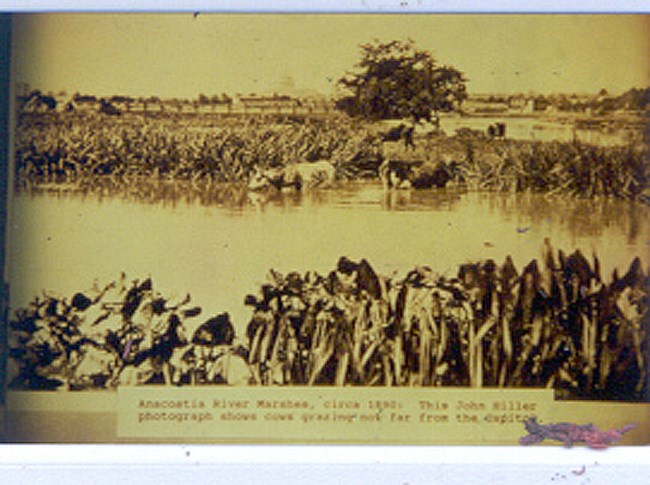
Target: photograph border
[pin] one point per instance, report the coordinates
(403, 463)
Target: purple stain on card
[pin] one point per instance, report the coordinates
(127, 349)
(570, 433)
(580, 472)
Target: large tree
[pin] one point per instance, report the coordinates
(396, 80)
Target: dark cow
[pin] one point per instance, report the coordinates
(401, 132)
(399, 174)
(396, 174)
(497, 130)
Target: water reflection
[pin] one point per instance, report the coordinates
(581, 217)
(144, 190)
(219, 248)
(174, 193)
(418, 200)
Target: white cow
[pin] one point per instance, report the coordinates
(296, 175)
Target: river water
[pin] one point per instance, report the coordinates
(541, 129)
(62, 242)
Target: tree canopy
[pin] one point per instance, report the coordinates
(397, 80)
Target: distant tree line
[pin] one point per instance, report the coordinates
(634, 99)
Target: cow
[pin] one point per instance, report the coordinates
(399, 174)
(309, 175)
(299, 176)
(396, 174)
(400, 132)
(497, 130)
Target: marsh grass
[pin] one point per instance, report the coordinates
(61, 148)
(564, 167)
(204, 154)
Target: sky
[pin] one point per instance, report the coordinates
(182, 55)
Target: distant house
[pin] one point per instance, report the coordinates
(316, 105)
(146, 105)
(184, 106)
(36, 102)
(123, 103)
(529, 107)
(485, 104)
(154, 107)
(85, 102)
(480, 106)
(269, 104)
(222, 104)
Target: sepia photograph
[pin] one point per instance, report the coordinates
(260, 228)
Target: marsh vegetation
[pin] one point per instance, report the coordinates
(556, 323)
(217, 155)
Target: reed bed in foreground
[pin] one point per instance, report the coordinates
(555, 324)
(124, 333)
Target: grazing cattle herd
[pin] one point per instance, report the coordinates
(394, 173)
